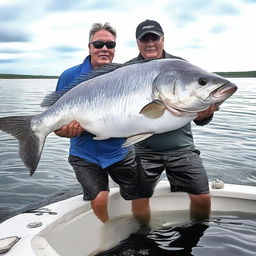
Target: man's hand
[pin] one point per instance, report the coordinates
(71, 130)
(207, 113)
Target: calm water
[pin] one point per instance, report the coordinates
(227, 145)
(222, 234)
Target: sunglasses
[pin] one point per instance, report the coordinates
(150, 37)
(100, 44)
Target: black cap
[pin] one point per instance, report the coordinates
(148, 26)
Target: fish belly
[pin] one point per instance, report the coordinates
(129, 125)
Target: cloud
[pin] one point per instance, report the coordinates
(10, 51)
(9, 13)
(183, 13)
(14, 34)
(48, 36)
(63, 48)
(249, 1)
(184, 18)
(217, 29)
(5, 61)
(224, 9)
(64, 5)
(23, 12)
(88, 5)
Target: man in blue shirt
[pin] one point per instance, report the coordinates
(93, 160)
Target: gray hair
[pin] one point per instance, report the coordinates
(98, 26)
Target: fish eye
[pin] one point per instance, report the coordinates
(202, 81)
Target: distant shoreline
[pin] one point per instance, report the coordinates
(237, 74)
(224, 74)
(18, 76)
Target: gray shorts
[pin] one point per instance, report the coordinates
(94, 179)
(184, 170)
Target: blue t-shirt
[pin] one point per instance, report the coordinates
(101, 152)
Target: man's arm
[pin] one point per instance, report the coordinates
(206, 116)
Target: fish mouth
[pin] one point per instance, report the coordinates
(221, 93)
(226, 90)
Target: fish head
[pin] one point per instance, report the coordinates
(186, 89)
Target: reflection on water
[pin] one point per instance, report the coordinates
(223, 234)
(227, 144)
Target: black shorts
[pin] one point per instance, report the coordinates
(94, 179)
(184, 170)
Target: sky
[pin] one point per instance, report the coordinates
(45, 37)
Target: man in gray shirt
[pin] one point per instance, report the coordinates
(173, 151)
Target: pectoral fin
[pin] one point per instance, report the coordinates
(136, 138)
(153, 110)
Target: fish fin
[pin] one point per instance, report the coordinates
(104, 69)
(30, 144)
(153, 110)
(136, 138)
(51, 98)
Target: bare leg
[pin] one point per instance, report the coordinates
(200, 206)
(141, 210)
(100, 206)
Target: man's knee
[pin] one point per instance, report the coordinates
(140, 204)
(100, 200)
(200, 206)
(201, 200)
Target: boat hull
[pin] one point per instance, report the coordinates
(74, 229)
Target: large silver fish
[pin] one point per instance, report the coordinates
(134, 101)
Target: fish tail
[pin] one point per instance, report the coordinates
(30, 145)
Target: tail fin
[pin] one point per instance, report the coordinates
(30, 144)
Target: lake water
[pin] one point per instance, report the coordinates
(227, 145)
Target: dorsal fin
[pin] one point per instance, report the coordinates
(96, 72)
(51, 98)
